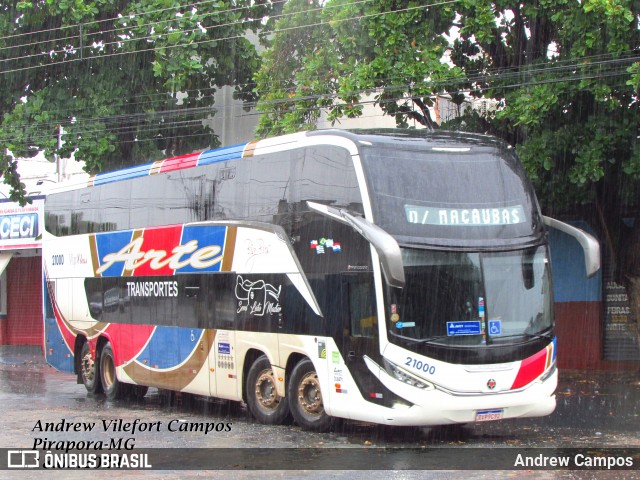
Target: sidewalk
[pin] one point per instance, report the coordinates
(571, 382)
(593, 408)
(21, 355)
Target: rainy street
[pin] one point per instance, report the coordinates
(595, 410)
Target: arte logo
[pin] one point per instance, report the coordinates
(188, 254)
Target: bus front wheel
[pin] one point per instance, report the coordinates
(305, 398)
(89, 371)
(262, 399)
(113, 388)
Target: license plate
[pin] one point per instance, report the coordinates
(489, 415)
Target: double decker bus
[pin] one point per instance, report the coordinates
(395, 277)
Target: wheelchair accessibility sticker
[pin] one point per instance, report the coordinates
(495, 327)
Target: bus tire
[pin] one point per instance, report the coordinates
(89, 370)
(113, 388)
(305, 398)
(262, 399)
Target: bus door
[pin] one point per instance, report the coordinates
(359, 328)
(221, 313)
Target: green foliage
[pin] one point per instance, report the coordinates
(297, 72)
(568, 81)
(565, 76)
(127, 81)
(328, 58)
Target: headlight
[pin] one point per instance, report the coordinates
(549, 372)
(400, 374)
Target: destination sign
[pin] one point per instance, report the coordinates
(464, 217)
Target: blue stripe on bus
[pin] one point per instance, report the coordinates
(112, 243)
(221, 154)
(169, 347)
(205, 235)
(124, 174)
(207, 157)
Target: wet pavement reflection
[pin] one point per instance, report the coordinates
(594, 410)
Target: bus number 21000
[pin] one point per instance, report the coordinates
(420, 365)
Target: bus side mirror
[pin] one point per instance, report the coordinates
(589, 244)
(386, 246)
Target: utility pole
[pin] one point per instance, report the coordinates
(57, 154)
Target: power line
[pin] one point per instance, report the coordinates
(296, 27)
(232, 37)
(478, 77)
(130, 16)
(167, 114)
(157, 128)
(307, 26)
(128, 28)
(473, 77)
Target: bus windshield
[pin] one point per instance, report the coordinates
(452, 199)
(471, 299)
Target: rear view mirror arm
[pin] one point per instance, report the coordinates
(386, 246)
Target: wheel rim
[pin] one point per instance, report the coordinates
(88, 368)
(266, 395)
(309, 395)
(108, 372)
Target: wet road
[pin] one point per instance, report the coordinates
(594, 411)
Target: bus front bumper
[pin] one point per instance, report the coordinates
(435, 406)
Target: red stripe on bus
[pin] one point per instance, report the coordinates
(163, 239)
(179, 163)
(530, 369)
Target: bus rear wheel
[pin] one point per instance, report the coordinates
(113, 388)
(262, 398)
(89, 371)
(305, 398)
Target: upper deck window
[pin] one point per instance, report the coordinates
(461, 196)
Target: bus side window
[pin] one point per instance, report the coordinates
(360, 297)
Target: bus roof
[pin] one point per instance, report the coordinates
(410, 138)
(416, 137)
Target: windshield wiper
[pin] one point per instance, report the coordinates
(425, 341)
(525, 335)
(418, 340)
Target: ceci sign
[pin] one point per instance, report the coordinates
(15, 227)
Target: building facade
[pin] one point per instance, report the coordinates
(21, 228)
(21, 278)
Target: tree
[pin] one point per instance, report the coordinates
(122, 82)
(566, 76)
(330, 58)
(296, 53)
